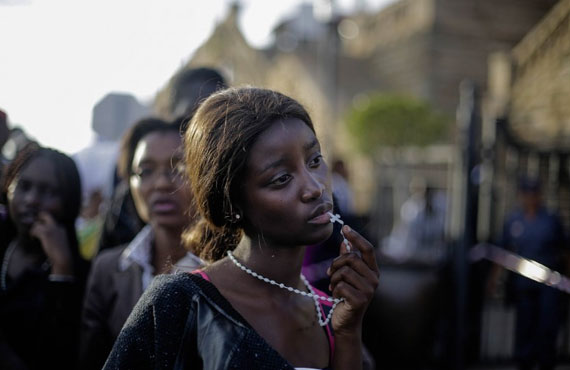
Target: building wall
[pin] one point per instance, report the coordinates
(427, 47)
(465, 34)
(540, 113)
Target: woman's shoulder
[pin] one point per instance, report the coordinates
(173, 284)
(109, 255)
(170, 290)
(168, 298)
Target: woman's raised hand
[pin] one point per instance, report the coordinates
(354, 277)
(53, 238)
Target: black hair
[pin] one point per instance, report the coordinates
(135, 134)
(192, 86)
(217, 145)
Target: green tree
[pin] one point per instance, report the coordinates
(396, 121)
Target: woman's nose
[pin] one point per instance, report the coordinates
(313, 187)
(164, 179)
(32, 196)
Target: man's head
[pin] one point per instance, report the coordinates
(193, 86)
(529, 190)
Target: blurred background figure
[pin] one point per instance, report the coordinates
(4, 135)
(533, 232)
(426, 237)
(398, 245)
(341, 187)
(17, 140)
(150, 162)
(419, 234)
(42, 274)
(12, 140)
(191, 87)
(111, 118)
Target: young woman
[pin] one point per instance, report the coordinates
(42, 275)
(263, 190)
(150, 161)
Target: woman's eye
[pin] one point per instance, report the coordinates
(144, 173)
(281, 180)
(51, 191)
(315, 162)
(24, 185)
(47, 191)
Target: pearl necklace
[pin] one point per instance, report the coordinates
(311, 294)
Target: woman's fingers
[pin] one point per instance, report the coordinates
(355, 262)
(361, 258)
(53, 240)
(47, 219)
(359, 242)
(354, 298)
(354, 277)
(44, 223)
(346, 274)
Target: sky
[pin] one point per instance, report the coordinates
(58, 58)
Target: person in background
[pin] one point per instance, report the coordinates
(341, 187)
(189, 89)
(4, 136)
(151, 162)
(112, 116)
(42, 274)
(263, 191)
(535, 233)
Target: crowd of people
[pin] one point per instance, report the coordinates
(216, 246)
(199, 258)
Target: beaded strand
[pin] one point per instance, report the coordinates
(310, 294)
(336, 218)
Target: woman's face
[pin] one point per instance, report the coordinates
(161, 196)
(287, 189)
(34, 190)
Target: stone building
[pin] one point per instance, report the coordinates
(422, 48)
(427, 47)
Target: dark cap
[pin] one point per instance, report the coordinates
(529, 184)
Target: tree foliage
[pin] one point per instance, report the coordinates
(396, 121)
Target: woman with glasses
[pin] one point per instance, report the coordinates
(151, 162)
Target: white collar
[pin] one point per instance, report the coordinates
(139, 251)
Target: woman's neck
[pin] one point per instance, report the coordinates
(167, 248)
(282, 264)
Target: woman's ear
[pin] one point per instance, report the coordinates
(235, 215)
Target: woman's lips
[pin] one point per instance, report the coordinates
(164, 206)
(323, 218)
(28, 218)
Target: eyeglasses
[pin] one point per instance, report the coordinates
(150, 174)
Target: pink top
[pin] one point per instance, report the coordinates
(330, 335)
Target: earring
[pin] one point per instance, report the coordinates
(234, 218)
